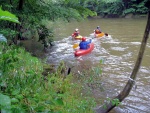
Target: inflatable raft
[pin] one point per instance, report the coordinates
(80, 52)
(77, 37)
(100, 35)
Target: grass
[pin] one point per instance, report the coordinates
(24, 88)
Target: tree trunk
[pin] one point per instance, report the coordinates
(108, 105)
(11, 2)
(20, 6)
(126, 3)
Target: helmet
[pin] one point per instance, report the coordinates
(83, 39)
(76, 29)
(98, 27)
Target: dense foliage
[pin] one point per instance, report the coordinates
(24, 88)
(32, 13)
(117, 8)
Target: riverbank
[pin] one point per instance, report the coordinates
(29, 85)
(119, 16)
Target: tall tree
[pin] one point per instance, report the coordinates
(20, 6)
(11, 2)
(126, 3)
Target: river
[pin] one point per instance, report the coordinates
(119, 53)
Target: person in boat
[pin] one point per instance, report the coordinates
(84, 44)
(76, 33)
(97, 30)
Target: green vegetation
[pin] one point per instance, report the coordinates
(32, 13)
(29, 85)
(24, 88)
(5, 15)
(117, 8)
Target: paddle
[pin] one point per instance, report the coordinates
(106, 34)
(75, 45)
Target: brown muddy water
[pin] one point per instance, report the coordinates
(118, 51)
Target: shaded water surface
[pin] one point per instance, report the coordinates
(119, 52)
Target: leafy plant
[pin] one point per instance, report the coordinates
(113, 7)
(115, 102)
(5, 103)
(130, 10)
(3, 39)
(136, 8)
(27, 90)
(141, 9)
(5, 15)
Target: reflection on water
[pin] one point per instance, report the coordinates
(119, 52)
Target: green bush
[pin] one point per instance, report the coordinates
(24, 88)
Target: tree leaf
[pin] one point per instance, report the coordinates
(5, 100)
(59, 101)
(14, 100)
(2, 38)
(15, 92)
(5, 15)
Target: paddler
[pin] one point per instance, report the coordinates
(84, 44)
(76, 33)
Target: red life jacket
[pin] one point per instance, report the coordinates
(76, 33)
(97, 31)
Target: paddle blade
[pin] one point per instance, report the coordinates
(106, 34)
(75, 46)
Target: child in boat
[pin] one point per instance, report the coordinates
(76, 33)
(84, 44)
(97, 30)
